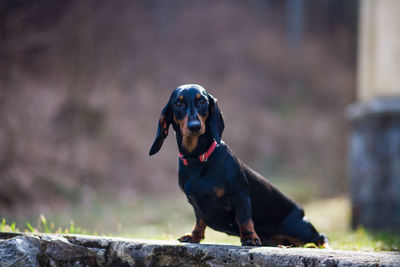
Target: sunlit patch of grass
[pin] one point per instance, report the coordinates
(214, 237)
(5, 227)
(364, 240)
(332, 216)
(42, 226)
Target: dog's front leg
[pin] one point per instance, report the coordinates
(243, 217)
(248, 235)
(197, 234)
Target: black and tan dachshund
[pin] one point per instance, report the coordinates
(225, 193)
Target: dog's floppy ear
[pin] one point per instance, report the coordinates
(217, 121)
(162, 131)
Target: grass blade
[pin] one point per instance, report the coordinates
(44, 223)
(30, 227)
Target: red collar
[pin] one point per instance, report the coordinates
(203, 157)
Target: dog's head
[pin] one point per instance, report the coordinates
(191, 111)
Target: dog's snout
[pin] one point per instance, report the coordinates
(194, 125)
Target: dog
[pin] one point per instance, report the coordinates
(225, 193)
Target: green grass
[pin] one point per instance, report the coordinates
(167, 218)
(332, 216)
(364, 240)
(42, 227)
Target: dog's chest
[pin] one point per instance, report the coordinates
(204, 188)
(208, 195)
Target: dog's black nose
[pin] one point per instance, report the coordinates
(194, 125)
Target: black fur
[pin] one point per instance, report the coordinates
(224, 192)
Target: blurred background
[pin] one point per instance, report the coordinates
(82, 84)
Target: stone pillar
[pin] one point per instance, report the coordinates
(375, 119)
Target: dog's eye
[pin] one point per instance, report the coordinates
(178, 104)
(202, 102)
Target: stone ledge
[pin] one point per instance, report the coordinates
(18, 249)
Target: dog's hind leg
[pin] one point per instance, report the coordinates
(298, 226)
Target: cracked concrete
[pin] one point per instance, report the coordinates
(18, 249)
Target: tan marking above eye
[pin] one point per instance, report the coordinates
(181, 97)
(219, 192)
(198, 95)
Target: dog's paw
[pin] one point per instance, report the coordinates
(190, 238)
(251, 240)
